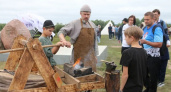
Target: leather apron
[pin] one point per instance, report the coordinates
(84, 47)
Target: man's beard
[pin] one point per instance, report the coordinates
(149, 25)
(85, 20)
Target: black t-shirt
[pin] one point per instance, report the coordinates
(110, 29)
(136, 61)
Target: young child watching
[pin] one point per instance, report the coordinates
(134, 62)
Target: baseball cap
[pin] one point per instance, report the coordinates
(48, 23)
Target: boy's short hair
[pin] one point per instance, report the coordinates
(134, 31)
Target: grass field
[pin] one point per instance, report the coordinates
(114, 54)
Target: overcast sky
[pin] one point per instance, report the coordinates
(64, 11)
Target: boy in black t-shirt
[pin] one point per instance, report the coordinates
(134, 62)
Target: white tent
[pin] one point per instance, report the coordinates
(105, 29)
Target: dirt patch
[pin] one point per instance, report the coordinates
(169, 65)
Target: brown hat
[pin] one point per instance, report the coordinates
(85, 8)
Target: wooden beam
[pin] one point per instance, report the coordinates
(41, 89)
(65, 88)
(42, 63)
(92, 85)
(68, 88)
(57, 79)
(21, 49)
(66, 78)
(100, 78)
(14, 57)
(22, 72)
(87, 78)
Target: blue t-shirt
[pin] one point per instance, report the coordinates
(156, 37)
(116, 29)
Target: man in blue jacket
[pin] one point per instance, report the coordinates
(165, 57)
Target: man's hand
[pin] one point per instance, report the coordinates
(143, 41)
(68, 44)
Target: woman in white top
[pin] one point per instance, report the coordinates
(131, 22)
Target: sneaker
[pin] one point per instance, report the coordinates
(158, 84)
(161, 84)
(146, 90)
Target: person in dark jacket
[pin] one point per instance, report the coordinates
(124, 21)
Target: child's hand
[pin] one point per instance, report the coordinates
(59, 44)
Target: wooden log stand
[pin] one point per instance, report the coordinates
(30, 53)
(112, 78)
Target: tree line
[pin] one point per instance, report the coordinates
(97, 22)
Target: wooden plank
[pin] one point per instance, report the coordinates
(90, 78)
(87, 78)
(66, 78)
(41, 89)
(99, 77)
(42, 63)
(22, 72)
(14, 57)
(58, 80)
(92, 85)
(68, 88)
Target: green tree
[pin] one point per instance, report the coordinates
(168, 25)
(142, 20)
(138, 22)
(58, 26)
(119, 24)
(113, 23)
(99, 22)
(108, 21)
(2, 26)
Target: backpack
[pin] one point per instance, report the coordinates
(165, 30)
(163, 48)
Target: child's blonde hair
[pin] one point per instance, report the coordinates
(134, 31)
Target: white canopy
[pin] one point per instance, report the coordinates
(105, 29)
(32, 21)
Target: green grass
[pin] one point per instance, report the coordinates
(114, 54)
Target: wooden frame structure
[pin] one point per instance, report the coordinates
(30, 53)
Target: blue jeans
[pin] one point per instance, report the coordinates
(98, 39)
(110, 35)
